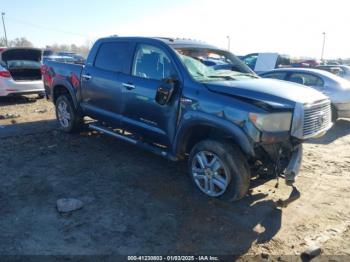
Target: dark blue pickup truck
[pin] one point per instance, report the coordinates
(184, 99)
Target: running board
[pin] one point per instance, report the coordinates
(107, 131)
(148, 147)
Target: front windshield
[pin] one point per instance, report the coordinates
(210, 64)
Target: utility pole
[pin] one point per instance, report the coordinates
(228, 43)
(3, 24)
(324, 41)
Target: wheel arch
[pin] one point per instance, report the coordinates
(64, 87)
(196, 130)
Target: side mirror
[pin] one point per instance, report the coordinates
(166, 90)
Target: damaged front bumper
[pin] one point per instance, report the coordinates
(293, 167)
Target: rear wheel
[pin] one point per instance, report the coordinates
(219, 169)
(67, 116)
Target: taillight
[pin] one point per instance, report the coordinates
(5, 73)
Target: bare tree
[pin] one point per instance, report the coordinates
(2, 42)
(20, 42)
(82, 49)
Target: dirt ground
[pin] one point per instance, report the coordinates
(138, 203)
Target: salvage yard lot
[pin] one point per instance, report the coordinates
(138, 203)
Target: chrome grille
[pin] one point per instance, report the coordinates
(317, 118)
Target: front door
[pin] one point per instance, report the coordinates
(141, 113)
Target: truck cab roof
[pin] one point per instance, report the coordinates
(172, 42)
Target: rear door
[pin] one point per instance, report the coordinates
(101, 90)
(142, 115)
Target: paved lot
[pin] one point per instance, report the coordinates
(138, 203)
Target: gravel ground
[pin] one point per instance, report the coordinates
(138, 203)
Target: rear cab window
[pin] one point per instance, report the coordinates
(114, 56)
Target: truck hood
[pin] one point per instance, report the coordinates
(275, 93)
(31, 54)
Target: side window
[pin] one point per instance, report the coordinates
(306, 79)
(250, 60)
(152, 63)
(114, 56)
(279, 75)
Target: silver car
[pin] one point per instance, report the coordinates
(335, 87)
(339, 70)
(20, 72)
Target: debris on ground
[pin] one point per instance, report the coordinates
(40, 111)
(311, 252)
(9, 116)
(65, 205)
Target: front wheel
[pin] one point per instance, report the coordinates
(67, 116)
(219, 169)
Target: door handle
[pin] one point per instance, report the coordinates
(128, 86)
(86, 77)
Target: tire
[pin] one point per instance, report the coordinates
(227, 178)
(68, 118)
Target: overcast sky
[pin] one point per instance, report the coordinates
(289, 27)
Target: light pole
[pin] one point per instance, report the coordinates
(324, 41)
(3, 24)
(228, 43)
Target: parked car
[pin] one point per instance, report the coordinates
(158, 94)
(310, 63)
(58, 58)
(20, 72)
(48, 52)
(78, 59)
(335, 87)
(339, 70)
(262, 62)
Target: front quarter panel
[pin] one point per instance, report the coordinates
(200, 107)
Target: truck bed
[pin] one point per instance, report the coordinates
(64, 72)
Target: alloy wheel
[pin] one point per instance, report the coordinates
(63, 114)
(209, 173)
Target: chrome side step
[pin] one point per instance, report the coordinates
(105, 130)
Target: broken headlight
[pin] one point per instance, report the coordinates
(272, 122)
